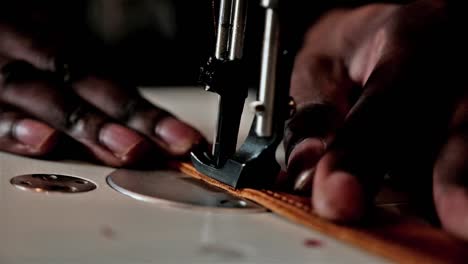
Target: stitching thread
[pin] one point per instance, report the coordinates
(289, 200)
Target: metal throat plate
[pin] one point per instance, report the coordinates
(175, 189)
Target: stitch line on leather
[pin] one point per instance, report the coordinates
(366, 241)
(256, 195)
(289, 201)
(402, 241)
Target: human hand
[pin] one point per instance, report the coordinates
(107, 116)
(377, 93)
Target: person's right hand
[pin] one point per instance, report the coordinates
(113, 122)
(378, 91)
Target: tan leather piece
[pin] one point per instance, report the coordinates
(398, 238)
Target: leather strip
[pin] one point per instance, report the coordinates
(387, 234)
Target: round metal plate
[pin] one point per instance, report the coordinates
(176, 189)
(52, 183)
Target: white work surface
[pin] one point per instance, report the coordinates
(104, 226)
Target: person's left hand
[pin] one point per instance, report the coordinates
(43, 101)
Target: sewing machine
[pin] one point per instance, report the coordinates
(72, 212)
(107, 226)
(254, 164)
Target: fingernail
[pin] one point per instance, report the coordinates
(304, 181)
(120, 140)
(33, 133)
(178, 136)
(301, 164)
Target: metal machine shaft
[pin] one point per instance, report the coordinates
(254, 164)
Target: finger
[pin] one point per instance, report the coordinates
(50, 51)
(125, 104)
(323, 93)
(389, 123)
(321, 77)
(25, 136)
(394, 116)
(348, 175)
(22, 46)
(38, 94)
(451, 177)
(302, 162)
(450, 185)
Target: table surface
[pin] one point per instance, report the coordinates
(104, 226)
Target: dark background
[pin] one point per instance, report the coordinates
(148, 42)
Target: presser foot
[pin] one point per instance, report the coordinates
(254, 165)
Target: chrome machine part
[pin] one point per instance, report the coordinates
(174, 189)
(46, 183)
(231, 28)
(229, 50)
(266, 96)
(254, 163)
(238, 29)
(224, 29)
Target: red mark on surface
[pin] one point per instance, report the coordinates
(108, 232)
(312, 243)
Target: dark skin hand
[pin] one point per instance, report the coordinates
(377, 92)
(106, 116)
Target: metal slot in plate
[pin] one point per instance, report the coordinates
(176, 189)
(46, 183)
